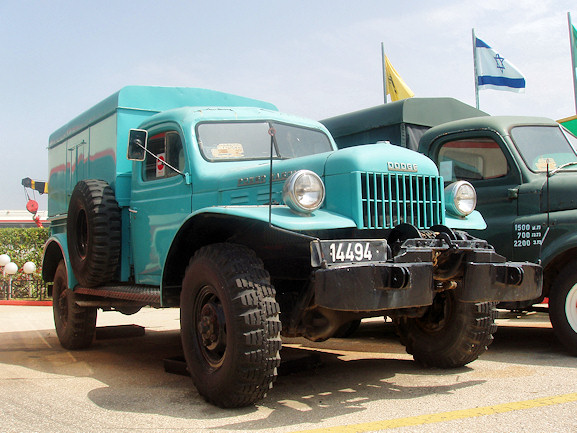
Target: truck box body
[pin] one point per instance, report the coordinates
(402, 123)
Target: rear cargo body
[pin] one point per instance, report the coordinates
(93, 145)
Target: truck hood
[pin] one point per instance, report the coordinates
(356, 183)
(379, 158)
(375, 158)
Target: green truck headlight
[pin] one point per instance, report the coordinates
(304, 191)
(460, 198)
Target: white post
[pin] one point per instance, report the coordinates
(475, 69)
(29, 268)
(10, 268)
(384, 72)
(573, 59)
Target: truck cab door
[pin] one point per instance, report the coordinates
(160, 202)
(483, 160)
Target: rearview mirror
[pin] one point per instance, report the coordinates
(137, 140)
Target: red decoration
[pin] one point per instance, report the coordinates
(32, 206)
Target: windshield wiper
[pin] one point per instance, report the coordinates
(561, 167)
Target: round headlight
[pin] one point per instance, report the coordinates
(460, 198)
(304, 191)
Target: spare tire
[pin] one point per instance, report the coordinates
(94, 233)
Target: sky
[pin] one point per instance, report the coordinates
(314, 59)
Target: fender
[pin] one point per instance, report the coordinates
(176, 262)
(557, 247)
(56, 249)
(283, 217)
(474, 221)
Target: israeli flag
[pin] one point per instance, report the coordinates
(493, 71)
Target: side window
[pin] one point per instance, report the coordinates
(472, 159)
(166, 146)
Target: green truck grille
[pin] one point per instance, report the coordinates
(392, 199)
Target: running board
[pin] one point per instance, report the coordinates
(145, 295)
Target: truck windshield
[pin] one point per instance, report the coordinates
(226, 141)
(543, 147)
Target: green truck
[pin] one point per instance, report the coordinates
(524, 170)
(570, 123)
(255, 225)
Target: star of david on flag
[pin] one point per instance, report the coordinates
(493, 71)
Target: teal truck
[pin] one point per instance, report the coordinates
(524, 170)
(255, 226)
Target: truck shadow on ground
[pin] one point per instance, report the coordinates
(131, 378)
(326, 387)
(520, 340)
(340, 387)
(532, 345)
(345, 374)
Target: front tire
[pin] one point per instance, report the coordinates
(75, 326)
(563, 307)
(451, 334)
(230, 326)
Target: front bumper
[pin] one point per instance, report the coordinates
(413, 276)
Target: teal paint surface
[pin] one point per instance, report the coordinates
(374, 187)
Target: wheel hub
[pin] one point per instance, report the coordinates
(211, 328)
(82, 234)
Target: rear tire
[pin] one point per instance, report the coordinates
(230, 325)
(94, 233)
(75, 326)
(451, 334)
(563, 307)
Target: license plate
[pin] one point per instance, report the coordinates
(348, 251)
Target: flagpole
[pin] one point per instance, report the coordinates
(384, 72)
(573, 59)
(475, 68)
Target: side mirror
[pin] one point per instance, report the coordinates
(137, 140)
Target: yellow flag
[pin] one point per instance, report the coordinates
(396, 87)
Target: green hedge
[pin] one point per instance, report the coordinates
(24, 245)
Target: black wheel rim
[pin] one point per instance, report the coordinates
(210, 324)
(82, 234)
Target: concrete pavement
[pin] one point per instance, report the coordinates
(364, 383)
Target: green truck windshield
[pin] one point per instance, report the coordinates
(544, 147)
(226, 141)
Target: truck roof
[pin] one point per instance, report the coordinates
(502, 124)
(152, 99)
(226, 113)
(418, 111)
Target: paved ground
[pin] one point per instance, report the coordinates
(525, 383)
